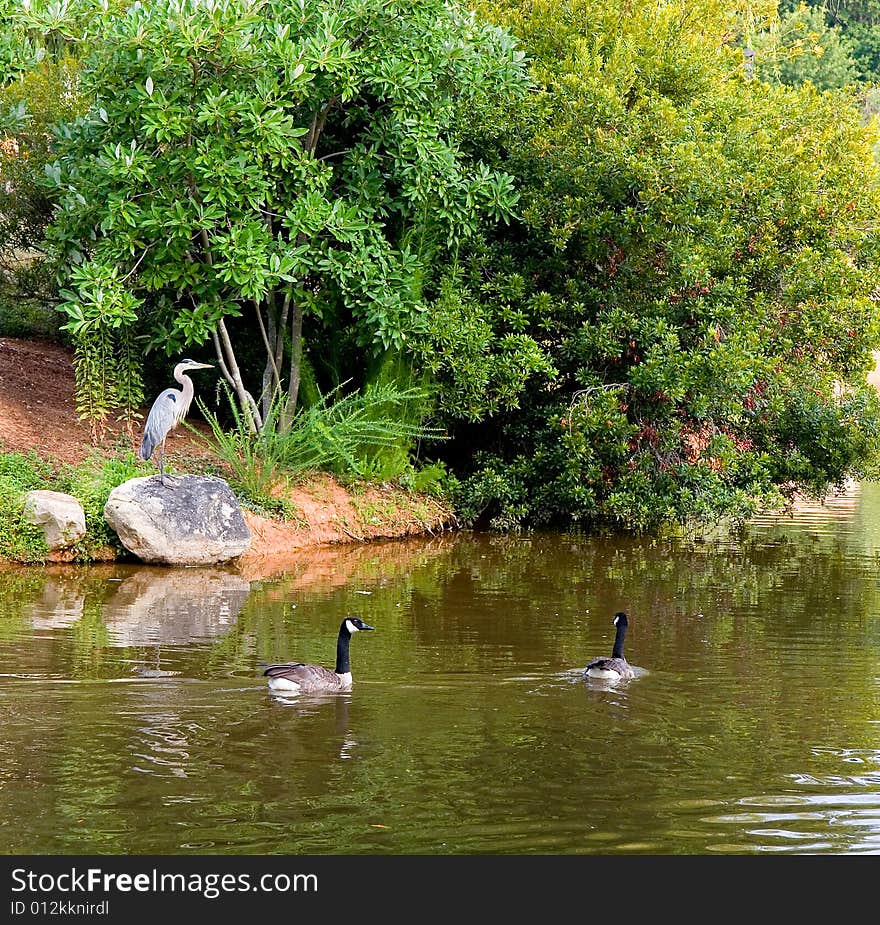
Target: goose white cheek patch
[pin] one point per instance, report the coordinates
(350, 626)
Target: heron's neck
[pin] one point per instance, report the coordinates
(188, 390)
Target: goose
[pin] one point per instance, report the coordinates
(301, 678)
(615, 668)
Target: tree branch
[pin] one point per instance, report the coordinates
(270, 354)
(246, 400)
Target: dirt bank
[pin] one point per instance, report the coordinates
(38, 413)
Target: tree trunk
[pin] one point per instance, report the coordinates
(223, 348)
(272, 340)
(271, 375)
(296, 322)
(232, 374)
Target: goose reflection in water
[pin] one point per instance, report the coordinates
(310, 712)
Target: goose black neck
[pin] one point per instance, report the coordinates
(343, 665)
(617, 652)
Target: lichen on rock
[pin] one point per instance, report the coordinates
(190, 520)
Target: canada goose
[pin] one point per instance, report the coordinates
(615, 668)
(314, 678)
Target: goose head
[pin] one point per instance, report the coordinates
(355, 625)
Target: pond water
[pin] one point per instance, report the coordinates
(134, 718)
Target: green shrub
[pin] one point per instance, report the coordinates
(23, 317)
(695, 263)
(432, 479)
(344, 435)
(252, 461)
(90, 482)
(19, 474)
(30, 107)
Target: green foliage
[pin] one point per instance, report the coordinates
(35, 31)
(39, 90)
(239, 157)
(866, 51)
(695, 266)
(20, 474)
(341, 434)
(101, 320)
(89, 482)
(393, 374)
(344, 434)
(19, 51)
(24, 317)
(481, 347)
(29, 108)
(432, 479)
(805, 47)
(856, 21)
(252, 460)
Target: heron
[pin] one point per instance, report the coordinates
(168, 410)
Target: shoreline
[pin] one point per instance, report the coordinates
(38, 414)
(326, 514)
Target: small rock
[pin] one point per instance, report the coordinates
(191, 520)
(61, 517)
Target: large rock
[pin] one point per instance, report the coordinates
(61, 516)
(191, 520)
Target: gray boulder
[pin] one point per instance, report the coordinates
(191, 520)
(61, 517)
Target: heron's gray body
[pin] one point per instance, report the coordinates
(168, 410)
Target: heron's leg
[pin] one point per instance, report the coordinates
(162, 465)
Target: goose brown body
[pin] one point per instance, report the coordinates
(306, 678)
(299, 677)
(615, 668)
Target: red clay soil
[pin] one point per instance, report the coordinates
(37, 409)
(38, 413)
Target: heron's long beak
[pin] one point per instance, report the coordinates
(202, 366)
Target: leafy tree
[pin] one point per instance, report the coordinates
(803, 46)
(32, 31)
(265, 167)
(18, 51)
(30, 107)
(856, 21)
(39, 89)
(696, 263)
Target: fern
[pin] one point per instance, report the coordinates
(338, 434)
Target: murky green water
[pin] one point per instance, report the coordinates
(756, 727)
